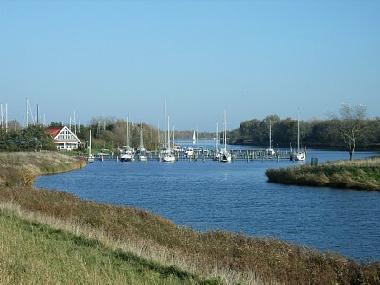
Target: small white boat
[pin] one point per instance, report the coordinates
(168, 155)
(298, 155)
(189, 152)
(225, 155)
(169, 158)
(141, 152)
(270, 151)
(127, 155)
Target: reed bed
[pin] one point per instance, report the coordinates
(357, 174)
(216, 256)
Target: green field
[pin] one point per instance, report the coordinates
(33, 253)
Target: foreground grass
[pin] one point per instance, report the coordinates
(231, 257)
(32, 253)
(358, 174)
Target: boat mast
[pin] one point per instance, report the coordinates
(141, 136)
(225, 131)
(217, 136)
(298, 130)
(89, 151)
(127, 130)
(168, 134)
(165, 120)
(173, 137)
(270, 134)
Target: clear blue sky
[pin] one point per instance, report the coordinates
(252, 58)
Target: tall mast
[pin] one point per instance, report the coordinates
(217, 136)
(128, 131)
(168, 133)
(165, 120)
(173, 137)
(225, 131)
(270, 134)
(158, 133)
(298, 130)
(141, 137)
(89, 152)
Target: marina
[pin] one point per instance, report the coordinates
(204, 154)
(236, 197)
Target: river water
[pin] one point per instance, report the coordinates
(237, 197)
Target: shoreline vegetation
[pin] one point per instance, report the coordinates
(356, 174)
(112, 240)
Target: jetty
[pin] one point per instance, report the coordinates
(206, 154)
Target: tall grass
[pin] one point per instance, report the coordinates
(360, 174)
(34, 253)
(20, 168)
(231, 257)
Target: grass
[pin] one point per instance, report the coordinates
(230, 258)
(357, 174)
(20, 168)
(33, 253)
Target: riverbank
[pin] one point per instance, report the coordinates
(230, 257)
(21, 168)
(357, 174)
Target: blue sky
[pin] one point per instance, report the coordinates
(250, 58)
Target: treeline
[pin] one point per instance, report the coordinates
(313, 134)
(33, 138)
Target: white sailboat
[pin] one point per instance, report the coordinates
(168, 155)
(127, 151)
(217, 138)
(270, 151)
(194, 138)
(298, 155)
(91, 157)
(225, 155)
(141, 150)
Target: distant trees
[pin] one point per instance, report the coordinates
(32, 138)
(349, 130)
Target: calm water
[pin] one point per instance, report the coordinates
(236, 197)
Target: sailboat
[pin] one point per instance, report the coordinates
(168, 155)
(91, 157)
(225, 155)
(127, 152)
(141, 150)
(217, 138)
(298, 155)
(194, 138)
(270, 151)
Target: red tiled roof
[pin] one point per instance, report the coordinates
(53, 131)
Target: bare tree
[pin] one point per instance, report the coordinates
(351, 123)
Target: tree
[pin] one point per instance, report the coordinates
(351, 123)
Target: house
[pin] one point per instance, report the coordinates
(63, 138)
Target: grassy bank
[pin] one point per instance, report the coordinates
(20, 168)
(357, 174)
(33, 253)
(231, 257)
